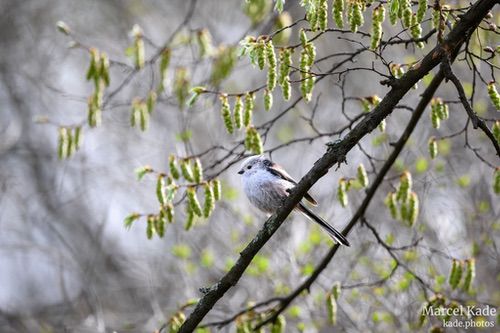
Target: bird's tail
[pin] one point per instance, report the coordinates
(335, 234)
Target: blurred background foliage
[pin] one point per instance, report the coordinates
(68, 263)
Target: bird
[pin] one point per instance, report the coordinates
(266, 184)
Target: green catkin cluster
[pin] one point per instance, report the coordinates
(69, 141)
(391, 203)
(470, 273)
(322, 14)
(209, 204)
(104, 69)
(404, 189)
(161, 193)
(307, 57)
(188, 224)
(164, 62)
(362, 176)
(160, 226)
(312, 13)
(422, 8)
(139, 114)
(226, 113)
(94, 103)
(433, 147)
(403, 211)
(186, 170)
(253, 141)
(268, 100)
(342, 192)
(397, 70)
(338, 13)
(436, 14)
(138, 47)
(150, 228)
(496, 130)
(366, 105)
(173, 168)
(439, 17)
(416, 30)
(455, 273)
(494, 96)
(285, 56)
(237, 113)
(272, 68)
(393, 11)
(175, 323)
(192, 201)
(181, 85)
(331, 307)
(378, 17)
(249, 105)
(204, 40)
(336, 290)
(496, 181)
(279, 325)
(260, 53)
(413, 208)
(169, 212)
(197, 171)
(217, 189)
(382, 126)
(355, 16)
(439, 111)
(405, 9)
(151, 101)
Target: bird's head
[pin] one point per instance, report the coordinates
(252, 164)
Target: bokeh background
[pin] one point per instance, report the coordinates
(67, 263)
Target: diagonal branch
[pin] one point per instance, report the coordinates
(476, 121)
(398, 147)
(336, 153)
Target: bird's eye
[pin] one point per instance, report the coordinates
(249, 167)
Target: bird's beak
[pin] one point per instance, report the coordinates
(241, 172)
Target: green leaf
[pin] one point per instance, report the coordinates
(142, 171)
(130, 219)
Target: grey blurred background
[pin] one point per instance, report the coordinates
(68, 264)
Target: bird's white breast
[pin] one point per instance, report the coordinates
(265, 190)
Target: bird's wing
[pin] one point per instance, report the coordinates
(278, 171)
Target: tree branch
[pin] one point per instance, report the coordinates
(336, 153)
(476, 121)
(398, 147)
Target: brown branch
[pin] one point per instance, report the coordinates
(336, 153)
(398, 147)
(476, 121)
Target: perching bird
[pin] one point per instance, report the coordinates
(267, 184)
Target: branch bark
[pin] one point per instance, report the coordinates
(476, 121)
(336, 153)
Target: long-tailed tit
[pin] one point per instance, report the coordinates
(267, 184)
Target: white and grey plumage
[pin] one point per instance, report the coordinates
(266, 185)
